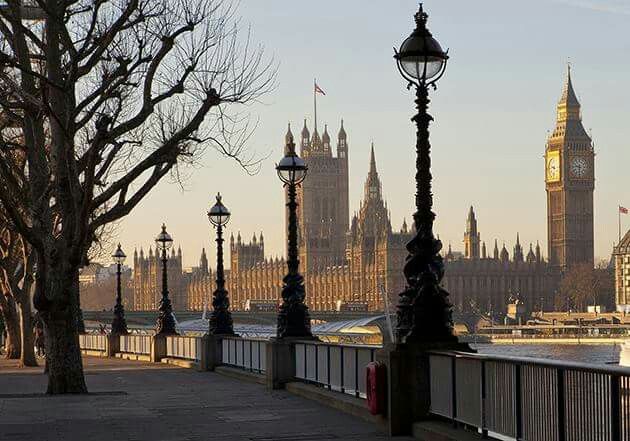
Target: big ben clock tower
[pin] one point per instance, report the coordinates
(570, 181)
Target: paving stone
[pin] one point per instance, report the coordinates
(136, 401)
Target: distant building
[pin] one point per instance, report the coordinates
(621, 257)
(355, 262)
(147, 281)
(570, 182)
(483, 282)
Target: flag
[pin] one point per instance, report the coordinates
(319, 90)
(623, 210)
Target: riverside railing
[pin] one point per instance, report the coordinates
(136, 344)
(184, 347)
(244, 353)
(336, 367)
(531, 399)
(93, 342)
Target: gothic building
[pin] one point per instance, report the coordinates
(359, 260)
(147, 280)
(323, 201)
(570, 182)
(371, 254)
(481, 282)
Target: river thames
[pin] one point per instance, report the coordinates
(584, 353)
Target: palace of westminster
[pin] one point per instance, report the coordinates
(357, 262)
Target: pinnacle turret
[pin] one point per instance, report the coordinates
(342, 132)
(288, 138)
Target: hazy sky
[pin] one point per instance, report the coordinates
(493, 109)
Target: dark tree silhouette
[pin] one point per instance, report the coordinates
(104, 99)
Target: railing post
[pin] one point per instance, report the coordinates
(453, 390)
(518, 405)
(615, 407)
(484, 430)
(561, 406)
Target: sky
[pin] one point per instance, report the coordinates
(493, 110)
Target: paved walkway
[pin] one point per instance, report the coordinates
(134, 401)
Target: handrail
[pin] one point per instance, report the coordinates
(561, 364)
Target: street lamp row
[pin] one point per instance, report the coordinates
(423, 312)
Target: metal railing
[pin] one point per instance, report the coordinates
(336, 367)
(531, 399)
(136, 344)
(187, 348)
(93, 342)
(245, 353)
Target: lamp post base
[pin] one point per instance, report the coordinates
(408, 381)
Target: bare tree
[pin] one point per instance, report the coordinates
(108, 97)
(16, 280)
(582, 285)
(8, 311)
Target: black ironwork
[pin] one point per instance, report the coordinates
(119, 324)
(424, 311)
(165, 322)
(221, 318)
(293, 316)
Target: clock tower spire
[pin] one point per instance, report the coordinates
(570, 182)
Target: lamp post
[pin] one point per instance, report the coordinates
(293, 317)
(221, 318)
(119, 324)
(424, 311)
(165, 322)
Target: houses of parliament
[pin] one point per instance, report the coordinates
(356, 262)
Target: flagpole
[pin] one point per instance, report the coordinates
(619, 215)
(315, 101)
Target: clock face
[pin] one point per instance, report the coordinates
(553, 167)
(579, 167)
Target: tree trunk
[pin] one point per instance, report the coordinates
(27, 356)
(63, 355)
(11, 324)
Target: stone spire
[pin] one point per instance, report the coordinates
(472, 238)
(372, 183)
(342, 143)
(518, 250)
(569, 119)
(326, 138)
(203, 261)
(568, 98)
(342, 132)
(288, 139)
(484, 254)
(531, 257)
(538, 254)
(306, 140)
(505, 256)
(495, 254)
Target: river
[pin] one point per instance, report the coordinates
(585, 353)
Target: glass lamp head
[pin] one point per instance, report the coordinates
(291, 168)
(219, 215)
(164, 240)
(420, 58)
(119, 256)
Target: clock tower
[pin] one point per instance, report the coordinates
(570, 181)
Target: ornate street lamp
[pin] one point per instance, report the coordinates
(293, 317)
(165, 322)
(119, 324)
(424, 311)
(221, 318)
